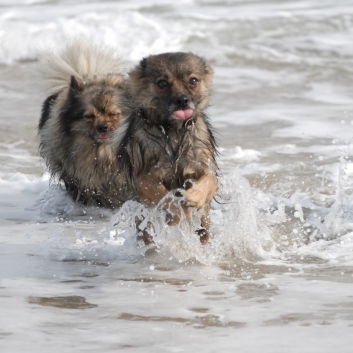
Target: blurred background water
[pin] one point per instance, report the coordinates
(277, 275)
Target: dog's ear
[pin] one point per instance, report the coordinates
(137, 81)
(208, 69)
(208, 74)
(143, 63)
(143, 67)
(76, 85)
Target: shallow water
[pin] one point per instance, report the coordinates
(278, 273)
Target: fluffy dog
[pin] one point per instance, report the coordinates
(169, 148)
(79, 123)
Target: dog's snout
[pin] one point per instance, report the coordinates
(102, 128)
(182, 100)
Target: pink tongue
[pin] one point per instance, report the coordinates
(183, 114)
(103, 136)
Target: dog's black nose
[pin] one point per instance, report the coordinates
(102, 128)
(182, 100)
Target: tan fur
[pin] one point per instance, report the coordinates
(79, 124)
(168, 154)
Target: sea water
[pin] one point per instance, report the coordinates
(277, 274)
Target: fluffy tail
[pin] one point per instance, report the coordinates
(81, 58)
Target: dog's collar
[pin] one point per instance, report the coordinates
(188, 124)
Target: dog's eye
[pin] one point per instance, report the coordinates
(162, 84)
(88, 117)
(115, 115)
(193, 82)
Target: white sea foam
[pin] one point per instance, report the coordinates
(246, 224)
(133, 34)
(278, 269)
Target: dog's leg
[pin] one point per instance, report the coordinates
(199, 195)
(145, 236)
(151, 192)
(175, 213)
(204, 230)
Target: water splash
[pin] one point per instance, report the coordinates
(234, 230)
(247, 224)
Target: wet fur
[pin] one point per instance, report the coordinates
(161, 153)
(88, 97)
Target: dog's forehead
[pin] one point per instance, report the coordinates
(103, 100)
(175, 64)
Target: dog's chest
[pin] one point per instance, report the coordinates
(178, 161)
(95, 166)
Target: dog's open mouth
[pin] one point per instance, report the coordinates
(183, 114)
(102, 137)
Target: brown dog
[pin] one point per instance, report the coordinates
(169, 145)
(79, 123)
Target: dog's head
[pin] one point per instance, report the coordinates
(95, 109)
(171, 88)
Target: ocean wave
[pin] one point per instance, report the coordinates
(222, 33)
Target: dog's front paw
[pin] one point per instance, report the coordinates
(204, 235)
(179, 192)
(195, 197)
(201, 192)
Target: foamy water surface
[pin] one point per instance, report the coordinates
(277, 275)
